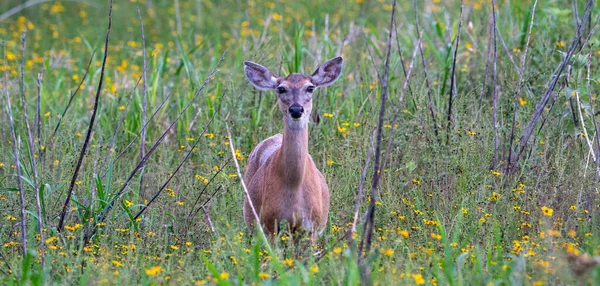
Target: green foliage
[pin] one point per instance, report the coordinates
(443, 217)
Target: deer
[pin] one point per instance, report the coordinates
(282, 180)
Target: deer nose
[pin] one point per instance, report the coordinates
(296, 111)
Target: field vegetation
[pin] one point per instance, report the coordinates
(466, 131)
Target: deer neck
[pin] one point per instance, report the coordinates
(294, 155)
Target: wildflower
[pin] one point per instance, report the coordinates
(9, 217)
(128, 204)
(547, 211)
(356, 124)
(464, 211)
(78, 134)
(387, 252)
(117, 263)
(416, 182)
(263, 275)
(342, 130)
(330, 162)
(327, 114)
(495, 173)
(288, 262)
(277, 17)
(522, 101)
(560, 44)
(337, 250)
(180, 203)
(418, 279)
(403, 233)
(314, 269)
(153, 270)
(224, 276)
(572, 208)
(190, 139)
(436, 236)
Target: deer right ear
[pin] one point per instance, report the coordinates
(260, 76)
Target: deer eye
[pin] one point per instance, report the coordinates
(281, 90)
(310, 89)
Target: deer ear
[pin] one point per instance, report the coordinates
(260, 76)
(328, 72)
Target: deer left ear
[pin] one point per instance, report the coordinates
(328, 72)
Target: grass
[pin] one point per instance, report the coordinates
(444, 217)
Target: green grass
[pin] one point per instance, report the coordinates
(443, 216)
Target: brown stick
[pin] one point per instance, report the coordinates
(519, 85)
(102, 216)
(453, 75)
(495, 89)
(144, 103)
(186, 155)
(17, 160)
(429, 91)
(368, 225)
(552, 84)
(90, 127)
(36, 179)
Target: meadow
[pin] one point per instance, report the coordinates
(468, 130)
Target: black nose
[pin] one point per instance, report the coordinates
(296, 111)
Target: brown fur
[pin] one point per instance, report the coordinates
(282, 180)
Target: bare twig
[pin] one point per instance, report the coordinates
(589, 200)
(192, 212)
(368, 225)
(123, 113)
(485, 73)
(144, 102)
(90, 127)
(17, 160)
(519, 85)
(359, 195)
(239, 173)
(552, 84)
(36, 179)
(109, 206)
(495, 87)
(185, 157)
(73, 96)
(210, 223)
(38, 111)
(407, 75)
(137, 135)
(427, 84)
(453, 75)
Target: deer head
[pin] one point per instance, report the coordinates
(294, 91)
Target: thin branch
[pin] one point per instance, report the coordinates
(453, 75)
(368, 225)
(90, 127)
(36, 179)
(192, 212)
(123, 113)
(144, 102)
(429, 90)
(137, 135)
(38, 111)
(519, 85)
(552, 84)
(495, 87)
(102, 216)
(359, 195)
(17, 160)
(239, 173)
(589, 203)
(485, 73)
(73, 96)
(189, 153)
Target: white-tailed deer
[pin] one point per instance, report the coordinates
(282, 179)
